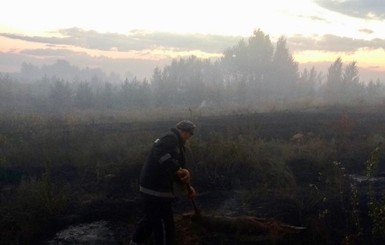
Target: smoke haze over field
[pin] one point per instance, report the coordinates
(152, 54)
(256, 74)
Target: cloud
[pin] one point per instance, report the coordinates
(134, 41)
(365, 30)
(365, 9)
(332, 43)
(12, 61)
(313, 17)
(317, 18)
(39, 39)
(374, 67)
(50, 52)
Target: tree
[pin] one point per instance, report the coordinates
(334, 76)
(127, 91)
(260, 52)
(353, 89)
(84, 97)
(6, 93)
(246, 66)
(135, 93)
(159, 88)
(283, 77)
(213, 82)
(351, 74)
(343, 84)
(309, 82)
(60, 95)
(106, 96)
(333, 84)
(30, 72)
(375, 92)
(144, 94)
(181, 83)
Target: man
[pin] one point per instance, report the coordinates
(165, 165)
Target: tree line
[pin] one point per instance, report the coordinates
(255, 74)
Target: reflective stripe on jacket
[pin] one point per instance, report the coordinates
(158, 172)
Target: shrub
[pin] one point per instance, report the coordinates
(27, 215)
(226, 163)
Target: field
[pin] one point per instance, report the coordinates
(296, 167)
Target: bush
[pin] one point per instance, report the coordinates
(238, 163)
(27, 215)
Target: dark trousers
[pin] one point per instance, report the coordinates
(158, 221)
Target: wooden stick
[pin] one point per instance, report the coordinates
(189, 189)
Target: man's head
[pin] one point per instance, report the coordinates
(186, 129)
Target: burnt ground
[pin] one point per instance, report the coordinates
(119, 203)
(122, 216)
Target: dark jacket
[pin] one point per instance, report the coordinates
(158, 173)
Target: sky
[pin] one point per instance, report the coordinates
(133, 37)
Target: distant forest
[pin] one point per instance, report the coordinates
(256, 74)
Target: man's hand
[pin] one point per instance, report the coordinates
(184, 175)
(191, 192)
